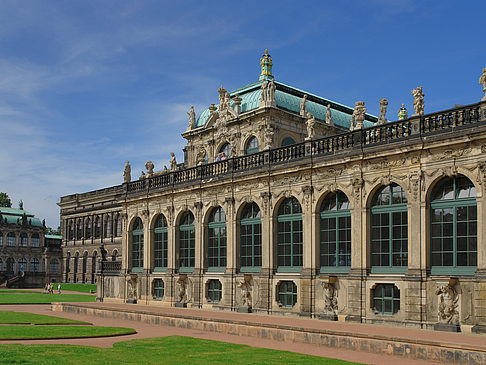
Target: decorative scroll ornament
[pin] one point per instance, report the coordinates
(418, 102)
(266, 201)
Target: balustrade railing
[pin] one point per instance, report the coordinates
(111, 267)
(378, 134)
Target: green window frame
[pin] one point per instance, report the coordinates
(187, 247)
(386, 299)
(453, 227)
(22, 265)
(251, 239)
(34, 265)
(137, 246)
(160, 243)
(289, 236)
(252, 146)
(11, 239)
(287, 294)
(215, 291)
(389, 230)
(24, 240)
(226, 148)
(335, 234)
(158, 288)
(287, 141)
(216, 248)
(35, 240)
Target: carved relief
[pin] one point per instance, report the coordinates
(415, 178)
(448, 304)
(132, 286)
(307, 191)
(245, 291)
(181, 289)
(450, 153)
(385, 164)
(266, 196)
(330, 298)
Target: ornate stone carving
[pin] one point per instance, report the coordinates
(268, 134)
(383, 106)
(173, 162)
(149, 165)
(192, 119)
(201, 156)
(330, 172)
(415, 178)
(266, 197)
(482, 81)
(132, 287)
(357, 183)
(447, 304)
(481, 179)
(271, 91)
(263, 92)
(303, 109)
(310, 124)
(223, 99)
(198, 206)
(418, 102)
(245, 291)
(451, 153)
(329, 115)
(181, 289)
(127, 173)
(385, 164)
(307, 191)
(359, 114)
(330, 299)
(352, 123)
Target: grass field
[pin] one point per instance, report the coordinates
(31, 332)
(10, 317)
(82, 288)
(27, 297)
(163, 350)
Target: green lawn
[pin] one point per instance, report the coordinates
(30, 318)
(163, 350)
(20, 297)
(30, 332)
(82, 288)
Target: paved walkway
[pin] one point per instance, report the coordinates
(145, 330)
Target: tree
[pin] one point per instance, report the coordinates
(5, 200)
(50, 230)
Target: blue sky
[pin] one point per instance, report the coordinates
(87, 85)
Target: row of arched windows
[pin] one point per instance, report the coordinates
(94, 227)
(10, 266)
(452, 232)
(10, 240)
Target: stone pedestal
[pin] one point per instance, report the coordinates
(328, 317)
(180, 305)
(478, 328)
(131, 301)
(447, 327)
(244, 310)
(353, 318)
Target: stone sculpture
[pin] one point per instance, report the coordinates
(181, 289)
(132, 288)
(330, 299)
(271, 91)
(329, 115)
(482, 81)
(402, 113)
(418, 102)
(223, 99)
(127, 173)
(448, 303)
(310, 124)
(303, 109)
(263, 93)
(359, 114)
(201, 157)
(103, 252)
(245, 291)
(383, 107)
(268, 137)
(173, 162)
(192, 118)
(149, 165)
(351, 123)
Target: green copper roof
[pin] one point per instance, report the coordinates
(289, 98)
(14, 216)
(53, 236)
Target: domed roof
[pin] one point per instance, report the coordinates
(289, 98)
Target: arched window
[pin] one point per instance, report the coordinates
(335, 233)
(22, 265)
(137, 245)
(10, 263)
(1, 238)
(79, 231)
(35, 240)
(217, 240)
(289, 236)
(118, 232)
(252, 146)
(94, 262)
(68, 265)
(187, 246)
(10, 239)
(453, 246)
(54, 266)
(287, 294)
(76, 266)
(34, 265)
(71, 230)
(107, 229)
(97, 227)
(24, 240)
(389, 230)
(160, 243)
(250, 239)
(226, 149)
(287, 141)
(89, 228)
(85, 263)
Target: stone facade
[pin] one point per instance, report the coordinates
(350, 225)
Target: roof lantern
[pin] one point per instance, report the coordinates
(266, 64)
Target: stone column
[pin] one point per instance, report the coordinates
(199, 238)
(147, 242)
(125, 249)
(231, 240)
(267, 234)
(171, 240)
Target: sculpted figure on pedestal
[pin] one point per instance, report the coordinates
(192, 118)
(127, 173)
(245, 291)
(330, 299)
(447, 309)
(383, 106)
(271, 91)
(132, 287)
(263, 93)
(150, 168)
(181, 289)
(482, 81)
(418, 102)
(329, 115)
(311, 122)
(173, 162)
(303, 109)
(268, 137)
(359, 114)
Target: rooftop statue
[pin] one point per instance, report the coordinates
(418, 102)
(127, 173)
(303, 109)
(173, 162)
(329, 115)
(311, 123)
(21, 205)
(351, 123)
(266, 66)
(482, 81)
(192, 118)
(271, 90)
(402, 113)
(263, 93)
(383, 106)
(223, 99)
(149, 165)
(359, 114)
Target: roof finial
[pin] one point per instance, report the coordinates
(21, 205)
(266, 65)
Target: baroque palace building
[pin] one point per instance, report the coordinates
(290, 203)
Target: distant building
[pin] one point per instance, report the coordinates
(28, 257)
